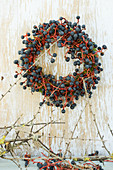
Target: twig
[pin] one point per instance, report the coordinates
(101, 137)
(91, 158)
(110, 129)
(17, 133)
(76, 138)
(74, 129)
(7, 132)
(44, 126)
(61, 139)
(11, 152)
(3, 95)
(34, 124)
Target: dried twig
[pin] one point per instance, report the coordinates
(74, 138)
(74, 130)
(110, 129)
(27, 125)
(101, 137)
(15, 161)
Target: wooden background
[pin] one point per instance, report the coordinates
(18, 17)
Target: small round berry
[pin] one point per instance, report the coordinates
(84, 48)
(38, 52)
(74, 73)
(75, 36)
(61, 106)
(54, 54)
(60, 78)
(94, 87)
(98, 78)
(91, 47)
(28, 34)
(34, 26)
(19, 52)
(16, 75)
(101, 69)
(52, 60)
(22, 37)
(16, 61)
(24, 87)
(83, 26)
(76, 69)
(74, 24)
(41, 103)
(77, 49)
(45, 32)
(37, 90)
(32, 89)
(69, 88)
(102, 54)
(63, 111)
(72, 57)
(39, 165)
(77, 29)
(33, 31)
(78, 17)
(21, 83)
(61, 33)
(99, 48)
(41, 48)
(61, 18)
(95, 45)
(62, 85)
(75, 63)
(104, 47)
(67, 59)
(86, 52)
(89, 96)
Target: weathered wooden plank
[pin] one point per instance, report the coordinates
(18, 17)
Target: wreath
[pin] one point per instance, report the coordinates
(83, 51)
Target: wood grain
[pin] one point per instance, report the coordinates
(17, 18)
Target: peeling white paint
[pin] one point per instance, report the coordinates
(18, 17)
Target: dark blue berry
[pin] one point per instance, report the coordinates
(16, 61)
(28, 34)
(91, 47)
(54, 54)
(22, 37)
(83, 26)
(77, 17)
(38, 52)
(74, 73)
(52, 60)
(63, 111)
(16, 75)
(67, 59)
(104, 47)
(102, 54)
(99, 48)
(39, 165)
(24, 87)
(21, 83)
(41, 103)
(61, 18)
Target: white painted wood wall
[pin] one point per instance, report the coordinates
(18, 17)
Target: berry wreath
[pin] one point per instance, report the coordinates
(85, 53)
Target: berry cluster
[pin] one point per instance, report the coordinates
(81, 49)
(51, 163)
